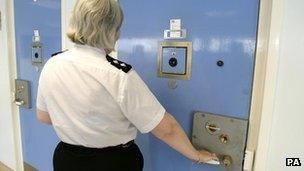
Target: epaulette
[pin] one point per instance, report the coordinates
(54, 54)
(119, 64)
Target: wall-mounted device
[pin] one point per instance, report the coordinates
(37, 50)
(22, 93)
(222, 135)
(175, 60)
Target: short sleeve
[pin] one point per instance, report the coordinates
(40, 101)
(139, 104)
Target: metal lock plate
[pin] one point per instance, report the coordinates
(222, 135)
(22, 93)
(175, 60)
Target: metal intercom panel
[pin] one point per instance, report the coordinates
(175, 60)
(223, 135)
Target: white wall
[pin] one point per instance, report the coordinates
(10, 141)
(66, 10)
(283, 135)
(287, 132)
(7, 147)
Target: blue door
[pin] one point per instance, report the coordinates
(38, 140)
(223, 34)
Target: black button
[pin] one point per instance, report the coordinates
(220, 63)
(173, 62)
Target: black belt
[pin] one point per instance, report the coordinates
(80, 148)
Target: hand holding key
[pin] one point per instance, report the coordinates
(207, 157)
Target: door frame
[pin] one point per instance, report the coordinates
(265, 73)
(9, 28)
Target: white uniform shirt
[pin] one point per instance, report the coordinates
(92, 103)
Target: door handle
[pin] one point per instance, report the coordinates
(19, 103)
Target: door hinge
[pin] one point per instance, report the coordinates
(248, 160)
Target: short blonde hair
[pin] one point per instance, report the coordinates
(96, 23)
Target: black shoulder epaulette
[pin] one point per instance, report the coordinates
(119, 64)
(54, 54)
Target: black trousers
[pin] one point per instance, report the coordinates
(126, 157)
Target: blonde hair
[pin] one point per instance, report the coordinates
(96, 23)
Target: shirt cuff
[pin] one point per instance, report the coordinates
(156, 120)
(41, 107)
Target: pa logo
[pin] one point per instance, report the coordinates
(293, 162)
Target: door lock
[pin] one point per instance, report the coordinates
(227, 160)
(223, 135)
(212, 128)
(224, 138)
(22, 93)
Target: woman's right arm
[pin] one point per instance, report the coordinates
(170, 132)
(135, 97)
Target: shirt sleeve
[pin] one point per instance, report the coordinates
(139, 104)
(40, 101)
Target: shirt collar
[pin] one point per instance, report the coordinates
(86, 51)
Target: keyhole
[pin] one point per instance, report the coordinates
(224, 139)
(212, 128)
(227, 161)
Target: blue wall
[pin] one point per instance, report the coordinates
(219, 30)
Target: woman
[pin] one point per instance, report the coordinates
(96, 104)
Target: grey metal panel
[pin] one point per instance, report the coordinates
(220, 127)
(22, 93)
(37, 55)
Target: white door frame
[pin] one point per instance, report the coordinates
(265, 72)
(8, 28)
(275, 30)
